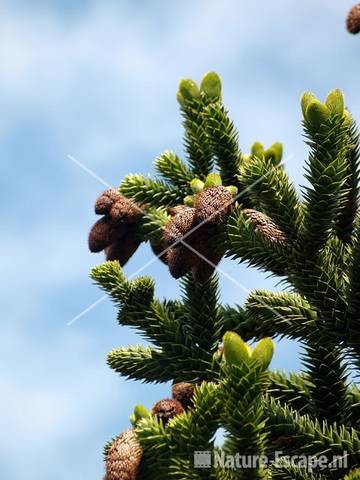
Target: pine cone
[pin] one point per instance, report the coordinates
(115, 231)
(125, 210)
(166, 409)
(203, 270)
(183, 392)
(266, 227)
(99, 236)
(106, 200)
(353, 20)
(124, 457)
(213, 204)
(208, 257)
(180, 260)
(180, 224)
(177, 209)
(123, 248)
(158, 249)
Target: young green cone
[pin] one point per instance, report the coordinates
(188, 91)
(196, 185)
(211, 86)
(317, 114)
(236, 351)
(335, 102)
(189, 200)
(274, 153)
(213, 180)
(263, 352)
(257, 149)
(306, 99)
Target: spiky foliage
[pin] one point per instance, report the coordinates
(184, 335)
(311, 239)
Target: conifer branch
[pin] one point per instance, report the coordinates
(141, 363)
(196, 143)
(327, 173)
(202, 313)
(323, 283)
(155, 193)
(153, 223)
(353, 298)
(293, 432)
(328, 384)
(292, 390)
(345, 223)
(353, 475)
(271, 189)
(246, 243)
(314, 243)
(243, 412)
(174, 170)
(288, 472)
(281, 314)
(224, 141)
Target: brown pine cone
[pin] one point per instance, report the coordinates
(115, 231)
(126, 210)
(177, 209)
(159, 251)
(106, 200)
(124, 457)
(180, 260)
(212, 204)
(207, 257)
(166, 409)
(203, 270)
(266, 226)
(117, 240)
(99, 236)
(183, 392)
(180, 224)
(353, 20)
(123, 248)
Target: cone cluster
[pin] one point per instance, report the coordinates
(188, 233)
(124, 456)
(115, 231)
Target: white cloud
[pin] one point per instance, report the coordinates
(114, 68)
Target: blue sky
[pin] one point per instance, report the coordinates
(97, 80)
